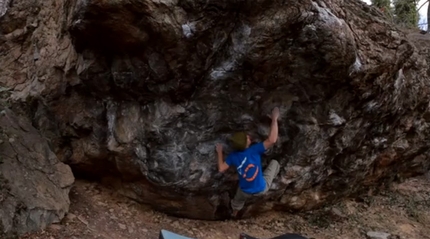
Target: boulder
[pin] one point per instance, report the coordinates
(34, 184)
(138, 92)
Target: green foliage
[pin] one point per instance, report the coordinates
(406, 13)
(385, 7)
(381, 4)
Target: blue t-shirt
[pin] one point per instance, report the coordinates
(248, 166)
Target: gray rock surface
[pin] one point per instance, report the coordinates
(34, 185)
(138, 93)
(4, 5)
(378, 235)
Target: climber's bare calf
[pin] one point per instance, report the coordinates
(247, 161)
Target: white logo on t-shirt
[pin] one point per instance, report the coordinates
(240, 166)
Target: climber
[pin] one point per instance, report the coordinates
(247, 161)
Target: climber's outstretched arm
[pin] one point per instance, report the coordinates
(222, 166)
(273, 135)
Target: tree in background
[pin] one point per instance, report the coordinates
(385, 7)
(428, 13)
(406, 13)
(428, 16)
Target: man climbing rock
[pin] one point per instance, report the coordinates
(247, 160)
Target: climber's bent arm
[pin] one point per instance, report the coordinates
(273, 135)
(222, 166)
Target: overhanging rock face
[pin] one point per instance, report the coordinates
(141, 91)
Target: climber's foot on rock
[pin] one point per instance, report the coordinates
(234, 214)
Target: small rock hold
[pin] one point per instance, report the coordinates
(337, 212)
(70, 216)
(122, 226)
(279, 224)
(377, 235)
(55, 227)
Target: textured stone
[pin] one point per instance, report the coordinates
(34, 185)
(4, 5)
(377, 235)
(138, 93)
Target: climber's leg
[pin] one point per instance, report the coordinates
(238, 201)
(270, 173)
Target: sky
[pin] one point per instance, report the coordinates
(423, 13)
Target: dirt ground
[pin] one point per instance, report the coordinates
(98, 212)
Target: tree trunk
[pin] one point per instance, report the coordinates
(428, 15)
